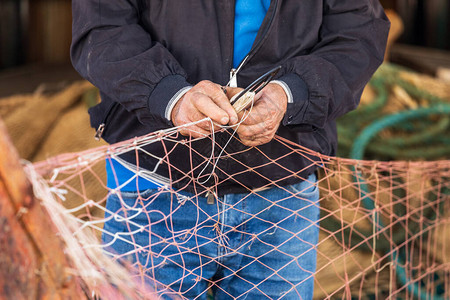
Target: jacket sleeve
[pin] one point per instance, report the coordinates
(328, 82)
(111, 50)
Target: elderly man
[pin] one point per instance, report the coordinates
(165, 63)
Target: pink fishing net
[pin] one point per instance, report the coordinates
(384, 226)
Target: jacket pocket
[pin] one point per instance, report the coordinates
(323, 142)
(99, 120)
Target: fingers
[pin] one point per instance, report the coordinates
(257, 129)
(216, 94)
(206, 99)
(253, 116)
(181, 117)
(260, 125)
(232, 91)
(256, 140)
(257, 134)
(194, 131)
(222, 101)
(209, 108)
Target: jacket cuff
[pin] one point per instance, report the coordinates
(287, 90)
(175, 100)
(295, 113)
(163, 93)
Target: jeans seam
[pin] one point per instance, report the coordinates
(221, 252)
(244, 227)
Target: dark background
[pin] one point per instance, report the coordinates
(33, 31)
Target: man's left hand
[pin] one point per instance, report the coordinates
(259, 127)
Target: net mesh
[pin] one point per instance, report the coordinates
(384, 227)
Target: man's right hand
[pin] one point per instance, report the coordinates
(205, 99)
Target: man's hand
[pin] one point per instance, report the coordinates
(259, 127)
(205, 99)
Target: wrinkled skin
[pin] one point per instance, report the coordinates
(206, 99)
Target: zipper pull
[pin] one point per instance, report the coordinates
(234, 72)
(99, 132)
(233, 78)
(211, 197)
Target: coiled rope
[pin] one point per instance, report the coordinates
(421, 133)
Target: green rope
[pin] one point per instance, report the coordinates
(370, 131)
(427, 134)
(417, 134)
(409, 138)
(357, 152)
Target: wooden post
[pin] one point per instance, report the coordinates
(32, 260)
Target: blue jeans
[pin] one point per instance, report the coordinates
(260, 245)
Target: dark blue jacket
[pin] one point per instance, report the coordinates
(139, 53)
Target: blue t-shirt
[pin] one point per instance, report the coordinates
(249, 15)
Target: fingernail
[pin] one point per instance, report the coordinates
(224, 120)
(234, 120)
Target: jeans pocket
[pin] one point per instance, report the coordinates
(306, 189)
(131, 201)
(137, 194)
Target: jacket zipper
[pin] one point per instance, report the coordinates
(101, 127)
(232, 79)
(235, 71)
